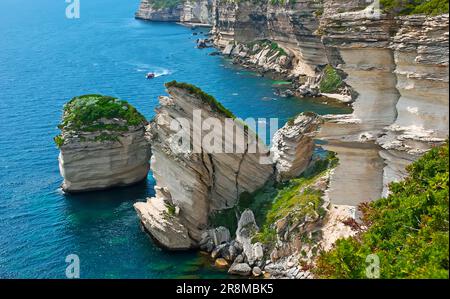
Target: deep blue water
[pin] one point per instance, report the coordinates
(46, 59)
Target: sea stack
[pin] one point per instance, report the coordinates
(102, 144)
(193, 184)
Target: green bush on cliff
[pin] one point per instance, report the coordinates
(412, 7)
(194, 90)
(408, 230)
(84, 112)
(294, 199)
(160, 4)
(274, 47)
(331, 80)
(275, 201)
(59, 140)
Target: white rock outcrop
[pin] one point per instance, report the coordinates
(293, 145)
(197, 183)
(189, 11)
(102, 144)
(96, 165)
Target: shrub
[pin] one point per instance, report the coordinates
(84, 112)
(408, 230)
(59, 140)
(160, 4)
(411, 7)
(194, 90)
(275, 201)
(331, 80)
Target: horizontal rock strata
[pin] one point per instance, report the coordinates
(195, 11)
(105, 152)
(293, 146)
(199, 183)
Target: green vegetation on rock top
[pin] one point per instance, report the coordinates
(408, 230)
(160, 4)
(194, 90)
(413, 7)
(84, 112)
(97, 113)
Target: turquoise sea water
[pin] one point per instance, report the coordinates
(46, 59)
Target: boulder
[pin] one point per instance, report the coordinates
(221, 263)
(257, 271)
(241, 269)
(247, 228)
(214, 237)
(218, 251)
(239, 259)
(162, 225)
(254, 253)
(228, 49)
(230, 252)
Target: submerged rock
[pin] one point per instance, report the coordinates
(102, 144)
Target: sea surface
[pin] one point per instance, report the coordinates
(45, 60)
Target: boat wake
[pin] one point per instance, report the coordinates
(158, 71)
(163, 72)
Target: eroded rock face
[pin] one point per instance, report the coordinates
(292, 25)
(421, 67)
(195, 11)
(199, 182)
(102, 144)
(293, 146)
(96, 165)
(147, 11)
(164, 225)
(399, 68)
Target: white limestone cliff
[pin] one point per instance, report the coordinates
(197, 183)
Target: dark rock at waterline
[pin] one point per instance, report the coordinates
(203, 43)
(215, 53)
(307, 91)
